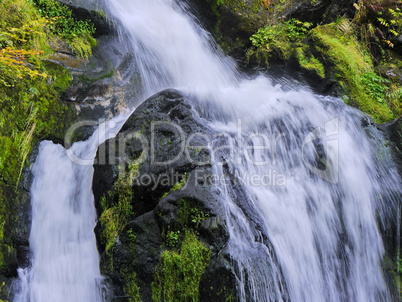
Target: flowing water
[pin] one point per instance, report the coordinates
(65, 260)
(314, 192)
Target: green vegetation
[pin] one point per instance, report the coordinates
(117, 206)
(179, 185)
(308, 61)
(239, 5)
(1, 289)
(380, 21)
(278, 40)
(77, 33)
(348, 52)
(184, 259)
(30, 87)
(189, 215)
(172, 238)
(353, 68)
(179, 273)
(131, 289)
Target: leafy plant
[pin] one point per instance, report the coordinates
(177, 186)
(279, 38)
(172, 238)
(198, 216)
(380, 22)
(375, 85)
(77, 33)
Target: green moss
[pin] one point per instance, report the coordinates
(131, 289)
(179, 273)
(60, 76)
(90, 80)
(177, 186)
(189, 215)
(30, 107)
(338, 47)
(117, 207)
(30, 92)
(309, 62)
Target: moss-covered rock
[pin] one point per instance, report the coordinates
(336, 57)
(179, 273)
(349, 64)
(174, 242)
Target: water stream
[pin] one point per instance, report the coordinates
(309, 170)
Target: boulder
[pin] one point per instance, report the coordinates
(171, 199)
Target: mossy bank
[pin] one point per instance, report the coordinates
(31, 85)
(347, 49)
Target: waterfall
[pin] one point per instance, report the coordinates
(320, 213)
(65, 260)
(307, 166)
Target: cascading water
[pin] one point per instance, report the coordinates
(306, 166)
(320, 213)
(65, 260)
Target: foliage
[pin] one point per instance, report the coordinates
(172, 238)
(179, 273)
(375, 85)
(342, 51)
(117, 207)
(178, 186)
(189, 215)
(131, 289)
(380, 22)
(309, 61)
(30, 88)
(77, 33)
(184, 259)
(278, 39)
(238, 6)
(353, 68)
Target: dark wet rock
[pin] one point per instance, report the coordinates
(164, 121)
(105, 84)
(393, 132)
(320, 11)
(158, 130)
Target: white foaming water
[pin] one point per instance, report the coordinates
(65, 260)
(318, 217)
(305, 232)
